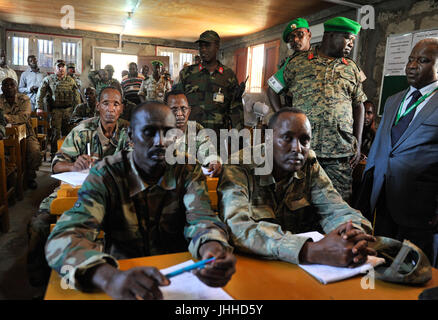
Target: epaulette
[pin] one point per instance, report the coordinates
(359, 70)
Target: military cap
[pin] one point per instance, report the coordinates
(59, 61)
(209, 36)
(342, 24)
(157, 62)
(293, 25)
(71, 65)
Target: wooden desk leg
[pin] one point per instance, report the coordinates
(23, 146)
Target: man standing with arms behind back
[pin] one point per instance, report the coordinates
(63, 96)
(297, 35)
(401, 176)
(31, 80)
(212, 88)
(327, 86)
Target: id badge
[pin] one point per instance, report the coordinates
(275, 85)
(218, 97)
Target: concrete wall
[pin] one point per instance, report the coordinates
(391, 17)
(131, 45)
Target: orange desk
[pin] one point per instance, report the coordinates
(257, 279)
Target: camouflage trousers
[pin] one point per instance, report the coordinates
(33, 157)
(59, 125)
(341, 175)
(45, 204)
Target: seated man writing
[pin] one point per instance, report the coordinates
(265, 212)
(105, 135)
(178, 103)
(145, 207)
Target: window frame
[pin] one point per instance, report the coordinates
(33, 48)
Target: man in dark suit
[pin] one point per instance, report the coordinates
(402, 166)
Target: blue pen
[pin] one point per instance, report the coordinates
(197, 265)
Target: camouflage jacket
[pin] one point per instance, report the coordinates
(326, 90)
(98, 84)
(264, 215)
(90, 131)
(62, 93)
(175, 215)
(81, 112)
(18, 113)
(201, 87)
(205, 151)
(2, 124)
(151, 89)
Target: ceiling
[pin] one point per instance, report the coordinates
(168, 19)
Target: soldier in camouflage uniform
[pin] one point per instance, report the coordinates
(16, 109)
(145, 207)
(327, 86)
(85, 110)
(103, 78)
(71, 71)
(63, 96)
(265, 212)
(212, 88)
(297, 35)
(205, 151)
(106, 135)
(155, 86)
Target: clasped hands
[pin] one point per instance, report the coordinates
(345, 246)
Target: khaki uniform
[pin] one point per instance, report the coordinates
(63, 96)
(2, 124)
(214, 98)
(138, 219)
(326, 90)
(19, 113)
(265, 215)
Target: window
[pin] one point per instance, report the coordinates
(45, 53)
(20, 49)
(119, 62)
(69, 52)
(177, 58)
(254, 68)
(47, 48)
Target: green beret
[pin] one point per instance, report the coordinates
(157, 62)
(294, 24)
(341, 24)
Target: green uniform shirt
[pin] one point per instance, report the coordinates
(211, 108)
(62, 93)
(81, 112)
(90, 131)
(326, 90)
(264, 215)
(175, 215)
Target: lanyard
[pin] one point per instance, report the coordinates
(399, 115)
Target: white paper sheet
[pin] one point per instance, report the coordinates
(326, 274)
(187, 286)
(73, 178)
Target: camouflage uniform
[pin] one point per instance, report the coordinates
(75, 144)
(128, 107)
(203, 145)
(175, 215)
(98, 84)
(19, 113)
(200, 87)
(151, 89)
(63, 97)
(326, 89)
(264, 215)
(81, 112)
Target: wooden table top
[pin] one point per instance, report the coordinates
(258, 279)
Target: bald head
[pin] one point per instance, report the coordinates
(422, 66)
